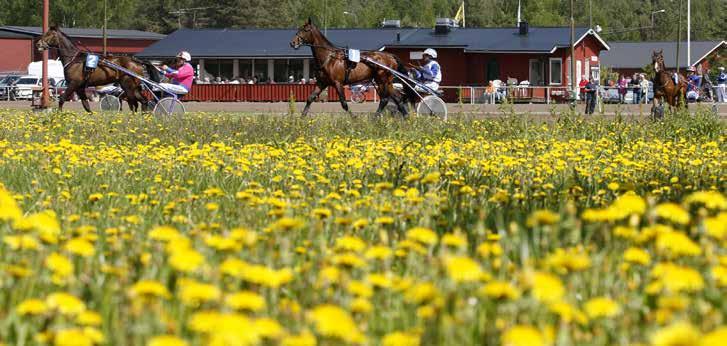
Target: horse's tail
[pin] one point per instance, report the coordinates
(409, 93)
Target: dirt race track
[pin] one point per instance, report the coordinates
(334, 107)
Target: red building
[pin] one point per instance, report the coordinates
(468, 56)
(18, 43)
(538, 55)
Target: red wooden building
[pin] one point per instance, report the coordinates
(18, 43)
(468, 56)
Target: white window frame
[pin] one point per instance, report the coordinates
(550, 71)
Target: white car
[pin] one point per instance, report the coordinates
(23, 88)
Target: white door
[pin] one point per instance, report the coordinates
(579, 68)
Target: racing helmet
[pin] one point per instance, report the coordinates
(185, 55)
(431, 52)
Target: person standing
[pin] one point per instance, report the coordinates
(722, 85)
(644, 88)
(636, 85)
(622, 87)
(582, 86)
(590, 92)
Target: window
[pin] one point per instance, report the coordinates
(245, 68)
(218, 68)
(493, 70)
(261, 70)
(556, 71)
(295, 68)
(280, 71)
(536, 72)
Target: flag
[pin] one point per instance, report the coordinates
(459, 17)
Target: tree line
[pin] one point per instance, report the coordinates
(619, 19)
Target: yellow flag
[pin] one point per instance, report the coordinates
(460, 14)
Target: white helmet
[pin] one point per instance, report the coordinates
(430, 52)
(184, 55)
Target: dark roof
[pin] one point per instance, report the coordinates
(638, 54)
(87, 32)
(228, 43)
(251, 43)
(11, 34)
(538, 39)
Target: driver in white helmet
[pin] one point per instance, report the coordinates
(181, 75)
(431, 73)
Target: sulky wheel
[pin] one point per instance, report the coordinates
(432, 106)
(168, 106)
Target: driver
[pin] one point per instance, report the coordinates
(181, 75)
(431, 73)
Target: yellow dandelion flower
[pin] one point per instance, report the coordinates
(522, 335)
(422, 235)
(9, 210)
(245, 300)
(715, 338)
(186, 260)
(637, 256)
(378, 252)
(303, 339)
(269, 328)
(545, 287)
(65, 303)
(350, 243)
(710, 199)
(166, 340)
(677, 244)
(421, 293)
(193, 293)
(672, 212)
(542, 217)
(80, 246)
(500, 290)
(677, 334)
(401, 339)
(31, 307)
(148, 288)
(602, 307)
(163, 233)
(59, 265)
(335, 322)
(89, 318)
(463, 269)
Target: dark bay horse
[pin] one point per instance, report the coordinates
(664, 86)
(331, 69)
(77, 79)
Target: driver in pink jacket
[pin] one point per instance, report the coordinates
(181, 77)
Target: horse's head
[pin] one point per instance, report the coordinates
(304, 35)
(50, 39)
(657, 58)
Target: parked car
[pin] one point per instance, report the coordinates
(6, 84)
(24, 86)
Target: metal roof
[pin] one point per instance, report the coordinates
(538, 39)
(10, 34)
(251, 43)
(87, 32)
(638, 54)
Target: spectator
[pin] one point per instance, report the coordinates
(291, 79)
(622, 88)
(644, 83)
(582, 85)
(235, 81)
(722, 85)
(490, 93)
(694, 83)
(590, 92)
(636, 87)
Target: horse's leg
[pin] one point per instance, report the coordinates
(398, 100)
(312, 97)
(342, 97)
(384, 96)
(66, 94)
(81, 92)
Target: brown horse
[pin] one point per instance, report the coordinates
(331, 69)
(664, 86)
(77, 78)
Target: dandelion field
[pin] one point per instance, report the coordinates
(224, 229)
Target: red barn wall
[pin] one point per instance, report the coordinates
(17, 54)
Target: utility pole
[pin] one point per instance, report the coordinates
(679, 33)
(105, 23)
(44, 95)
(689, 32)
(572, 55)
(590, 15)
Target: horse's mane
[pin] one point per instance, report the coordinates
(325, 39)
(65, 37)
